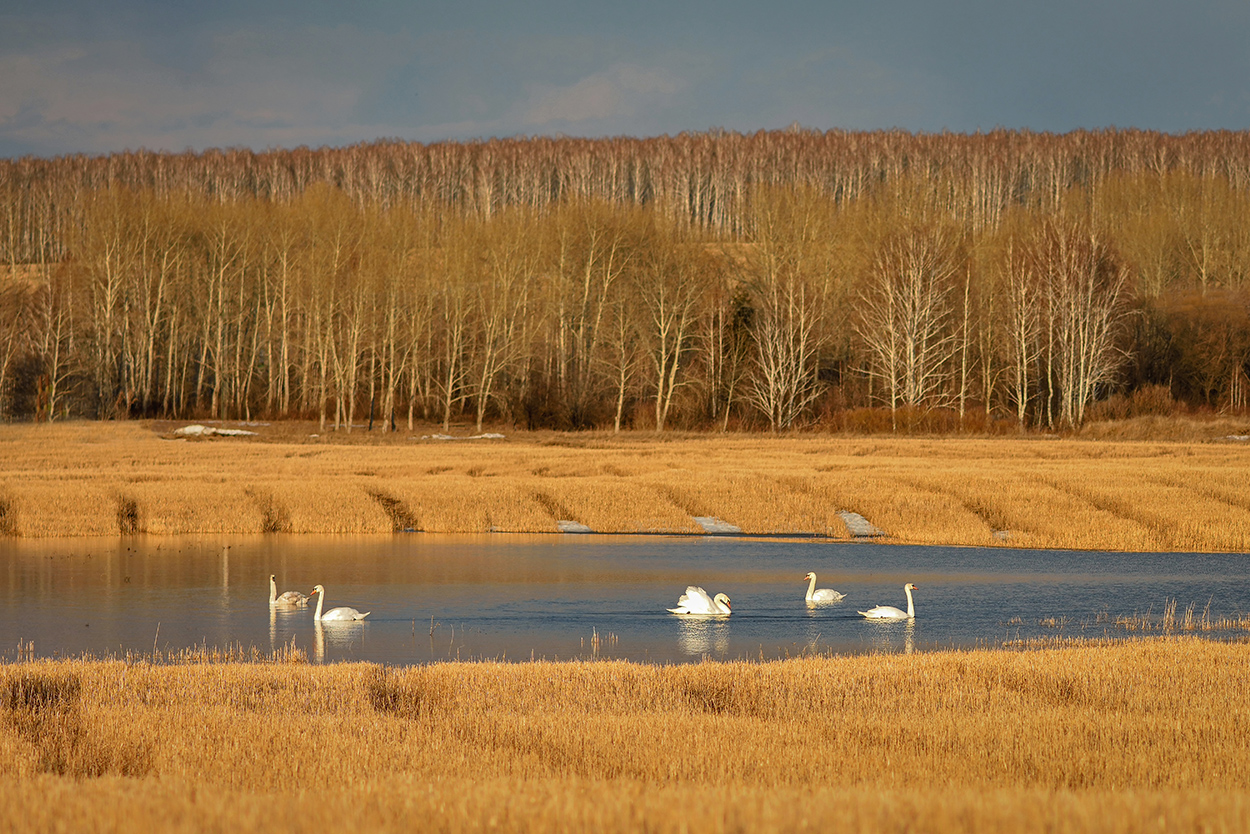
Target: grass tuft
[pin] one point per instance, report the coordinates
(402, 518)
(274, 516)
(8, 517)
(128, 516)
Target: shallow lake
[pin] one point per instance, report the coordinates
(508, 597)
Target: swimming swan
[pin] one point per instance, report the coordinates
(889, 612)
(823, 595)
(335, 613)
(696, 601)
(287, 598)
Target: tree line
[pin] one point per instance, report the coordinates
(775, 280)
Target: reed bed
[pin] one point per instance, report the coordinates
(1134, 736)
(133, 478)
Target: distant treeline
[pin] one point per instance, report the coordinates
(776, 280)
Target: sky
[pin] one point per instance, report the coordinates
(97, 76)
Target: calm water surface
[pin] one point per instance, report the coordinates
(517, 597)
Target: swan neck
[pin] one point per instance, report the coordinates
(911, 608)
(321, 597)
(811, 588)
(273, 590)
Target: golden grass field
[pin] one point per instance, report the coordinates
(1137, 736)
(1147, 735)
(83, 478)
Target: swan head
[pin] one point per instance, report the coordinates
(723, 600)
(910, 587)
(317, 590)
(810, 575)
(273, 578)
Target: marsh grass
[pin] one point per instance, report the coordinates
(1088, 737)
(105, 479)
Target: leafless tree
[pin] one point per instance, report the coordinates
(906, 317)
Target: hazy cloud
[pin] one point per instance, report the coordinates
(81, 77)
(618, 92)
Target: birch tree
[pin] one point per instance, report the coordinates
(789, 280)
(1086, 314)
(906, 317)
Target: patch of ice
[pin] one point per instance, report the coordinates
(712, 524)
(859, 527)
(566, 526)
(484, 436)
(197, 430)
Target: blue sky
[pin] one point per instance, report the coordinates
(95, 77)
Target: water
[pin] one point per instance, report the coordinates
(435, 598)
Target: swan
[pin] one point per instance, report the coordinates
(889, 612)
(697, 601)
(823, 595)
(287, 598)
(335, 613)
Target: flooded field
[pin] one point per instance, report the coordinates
(432, 598)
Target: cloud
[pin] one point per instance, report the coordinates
(621, 91)
(248, 88)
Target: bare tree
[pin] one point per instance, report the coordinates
(623, 360)
(1086, 313)
(1025, 296)
(502, 302)
(906, 317)
(671, 282)
(788, 276)
(594, 251)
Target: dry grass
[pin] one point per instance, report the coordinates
(102, 479)
(1123, 737)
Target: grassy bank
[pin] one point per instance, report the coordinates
(109, 478)
(1126, 737)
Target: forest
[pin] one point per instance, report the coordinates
(775, 281)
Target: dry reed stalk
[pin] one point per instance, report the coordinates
(1110, 737)
(101, 479)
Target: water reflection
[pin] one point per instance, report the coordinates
(704, 635)
(342, 637)
(552, 597)
(892, 635)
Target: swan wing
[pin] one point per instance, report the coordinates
(344, 614)
(826, 595)
(291, 598)
(884, 612)
(696, 601)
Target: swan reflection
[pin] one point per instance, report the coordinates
(893, 636)
(283, 623)
(341, 636)
(704, 636)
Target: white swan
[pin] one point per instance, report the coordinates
(889, 612)
(697, 601)
(823, 595)
(335, 613)
(288, 598)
